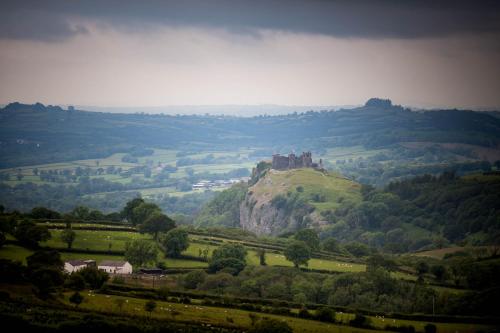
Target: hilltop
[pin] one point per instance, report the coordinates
(286, 200)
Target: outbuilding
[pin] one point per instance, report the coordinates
(115, 267)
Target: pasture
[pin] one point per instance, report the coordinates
(209, 315)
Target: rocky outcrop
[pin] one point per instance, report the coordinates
(261, 216)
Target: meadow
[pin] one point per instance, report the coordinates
(210, 315)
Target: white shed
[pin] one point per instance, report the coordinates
(115, 267)
(76, 265)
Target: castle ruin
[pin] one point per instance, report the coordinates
(295, 162)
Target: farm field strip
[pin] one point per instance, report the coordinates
(196, 312)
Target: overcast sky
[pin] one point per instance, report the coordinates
(202, 52)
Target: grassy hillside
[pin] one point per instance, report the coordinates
(322, 190)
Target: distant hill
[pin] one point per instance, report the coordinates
(35, 134)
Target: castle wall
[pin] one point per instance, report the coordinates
(292, 162)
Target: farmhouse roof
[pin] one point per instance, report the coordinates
(79, 262)
(112, 263)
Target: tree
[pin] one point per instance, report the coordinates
(76, 298)
(175, 241)
(44, 213)
(150, 306)
(29, 233)
(330, 244)
(325, 314)
(140, 251)
(44, 259)
(93, 277)
(194, 278)
(76, 282)
(127, 211)
(228, 265)
(45, 271)
(262, 257)
(422, 268)
(310, 237)
(378, 260)
(439, 272)
(81, 212)
(271, 326)
(68, 236)
(237, 251)
(157, 223)
(2, 239)
(142, 212)
(298, 252)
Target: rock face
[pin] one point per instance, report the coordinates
(259, 215)
(262, 218)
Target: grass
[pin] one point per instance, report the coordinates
(198, 313)
(332, 187)
(18, 253)
(96, 240)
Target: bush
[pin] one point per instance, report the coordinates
(192, 279)
(325, 314)
(229, 265)
(430, 328)
(271, 326)
(93, 277)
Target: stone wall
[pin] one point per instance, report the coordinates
(292, 162)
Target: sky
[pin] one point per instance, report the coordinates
(122, 53)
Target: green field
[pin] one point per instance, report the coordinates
(200, 314)
(96, 239)
(100, 241)
(196, 312)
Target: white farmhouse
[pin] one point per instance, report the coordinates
(115, 267)
(76, 265)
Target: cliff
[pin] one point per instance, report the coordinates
(284, 201)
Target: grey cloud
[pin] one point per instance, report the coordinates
(53, 20)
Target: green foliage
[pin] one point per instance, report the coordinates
(330, 244)
(156, 223)
(308, 236)
(230, 258)
(93, 277)
(45, 271)
(175, 241)
(144, 211)
(75, 281)
(44, 213)
(30, 234)
(357, 249)
(298, 252)
(229, 265)
(325, 314)
(380, 261)
(193, 279)
(271, 326)
(224, 209)
(140, 252)
(76, 298)
(128, 211)
(68, 236)
(225, 251)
